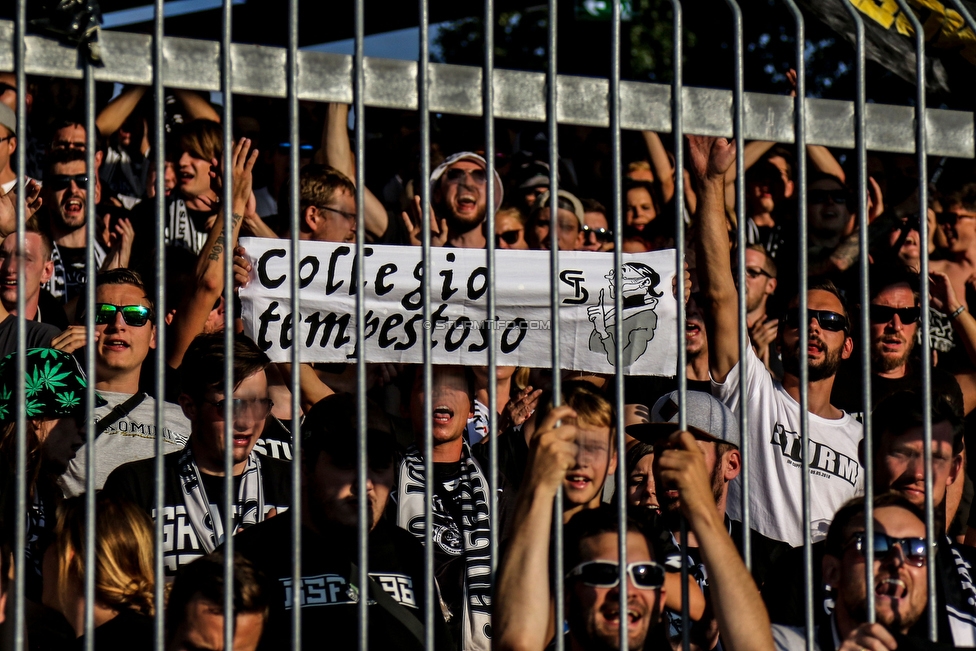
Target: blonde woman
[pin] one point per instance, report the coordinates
(124, 583)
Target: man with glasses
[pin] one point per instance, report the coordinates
(194, 478)
(569, 217)
(510, 229)
(761, 283)
(899, 466)
(597, 234)
(125, 427)
(958, 223)
(773, 406)
(900, 580)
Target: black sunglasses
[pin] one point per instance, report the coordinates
(606, 574)
(509, 237)
(838, 197)
(830, 321)
(884, 314)
(456, 174)
(910, 224)
(950, 218)
(63, 181)
(602, 235)
(257, 408)
(133, 315)
(912, 549)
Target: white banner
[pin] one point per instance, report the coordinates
(394, 306)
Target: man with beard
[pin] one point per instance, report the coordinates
(761, 283)
(894, 313)
(900, 580)
(899, 466)
(716, 433)
(774, 409)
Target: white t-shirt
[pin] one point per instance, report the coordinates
(776, 498)
(130, 438)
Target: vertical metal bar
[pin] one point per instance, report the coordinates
(423, 97)
(359, 88)
(90, 269)
(738, 117)
(296, 438)
(552, 126)
(20, 522)
(677, 131)
(921, 145)
(159, 155)
(860, 131)
(799, 117)
(618, 325)
(229, 497)
(488, 110)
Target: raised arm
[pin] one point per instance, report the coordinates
(660, 163)
(710, 159)
(195, 106)
(208, 283)
(337, 153)
(522, 604)
(119, 109)
(743, 621)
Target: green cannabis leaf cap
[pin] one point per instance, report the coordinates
(54, 386)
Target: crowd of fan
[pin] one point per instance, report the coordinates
(692, 475)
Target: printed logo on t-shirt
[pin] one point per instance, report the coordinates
(333, 589)
(824, 460)
(129, 427)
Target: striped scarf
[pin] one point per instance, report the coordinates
(469, 538)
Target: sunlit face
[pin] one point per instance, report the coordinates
(641, 489)
(595, 222)
(332, 491)
(38, 269)
(337, 219)
(450, 402)
(570, 234)
(7, 147)
(66, 205)
(594, 613)
(207, 420)
(959, 227)
(900, 590)
(203, 629)
(901, 464)
(668, 495)
(70, 136)
(825, 349)
(462, 194)
(120, 347)
(784, 172)
(594, 460)
(892, 341)
(193, 176)
(695, 341)
(639, 208)
(759, 282)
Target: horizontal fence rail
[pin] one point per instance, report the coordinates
(323, 77)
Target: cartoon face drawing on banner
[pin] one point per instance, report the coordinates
(638, 289)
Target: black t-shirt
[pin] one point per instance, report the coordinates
(127, 631)
(39, 335)
(846, 393)
(136, 482)
(329, 613)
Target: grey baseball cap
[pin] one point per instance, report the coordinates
(707, 418)
(8, 118)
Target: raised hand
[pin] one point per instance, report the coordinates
(710, 157)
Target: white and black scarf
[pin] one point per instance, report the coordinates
(57, 285)
(208, 528)
(180, 229)
(469, 538)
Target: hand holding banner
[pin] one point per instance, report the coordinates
(460, 334)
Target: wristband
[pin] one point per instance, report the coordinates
(959, 310)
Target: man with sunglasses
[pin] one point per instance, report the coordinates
(569, 221)
(194, 480)
(957, 221)
(597, 235)
(126, 426)
(900, 581)
(774, 409)
(899, 466)
(761, 283)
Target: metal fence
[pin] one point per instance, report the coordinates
(235, 68)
